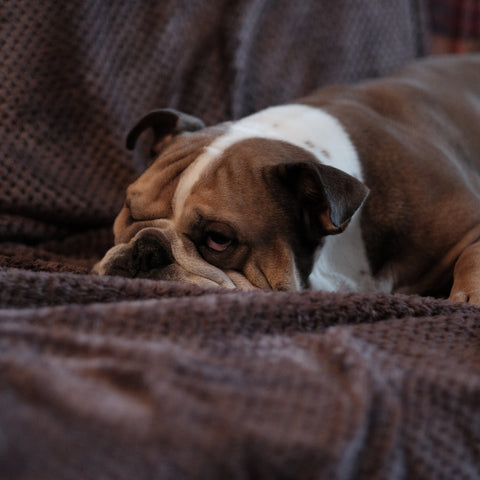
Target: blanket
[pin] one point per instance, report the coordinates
(109, 377)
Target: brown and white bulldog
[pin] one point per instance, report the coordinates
(373, 187)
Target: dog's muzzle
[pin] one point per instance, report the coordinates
(145, 255)
(157, 252)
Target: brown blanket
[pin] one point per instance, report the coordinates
(105, 377)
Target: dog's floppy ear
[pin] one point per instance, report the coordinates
(165, 122)
(326, 197)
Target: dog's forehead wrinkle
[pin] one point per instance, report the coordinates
(151, 195)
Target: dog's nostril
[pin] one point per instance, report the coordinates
(149, 253)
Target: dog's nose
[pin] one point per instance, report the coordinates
(151, 251)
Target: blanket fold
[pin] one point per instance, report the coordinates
(348, 386)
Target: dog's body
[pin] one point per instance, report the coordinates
(373, 187)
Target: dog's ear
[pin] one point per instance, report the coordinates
(165, 123)
(325, 198)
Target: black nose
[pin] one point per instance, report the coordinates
(150, 252)
(143, 257)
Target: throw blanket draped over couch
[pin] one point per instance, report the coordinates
(106, 377)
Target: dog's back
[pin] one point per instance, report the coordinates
(417, 135)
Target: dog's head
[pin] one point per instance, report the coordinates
(228, 206)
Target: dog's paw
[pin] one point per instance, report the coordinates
(466, 276)
(470, 296)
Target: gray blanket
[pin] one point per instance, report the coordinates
(105, 377)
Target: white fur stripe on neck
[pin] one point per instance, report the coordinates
(307, 127)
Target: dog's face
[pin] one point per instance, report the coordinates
(235, 211)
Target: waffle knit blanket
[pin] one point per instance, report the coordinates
(106, 377)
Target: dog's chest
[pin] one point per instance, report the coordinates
(341, 264)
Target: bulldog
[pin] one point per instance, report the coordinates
(368, 188)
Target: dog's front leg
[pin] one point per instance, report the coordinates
(466, 276)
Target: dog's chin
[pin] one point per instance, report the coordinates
(240, 281)
(229, 280)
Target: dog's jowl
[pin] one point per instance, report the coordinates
(372, 187)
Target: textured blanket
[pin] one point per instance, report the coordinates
(106, 377)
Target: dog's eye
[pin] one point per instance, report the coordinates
(217, 241)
